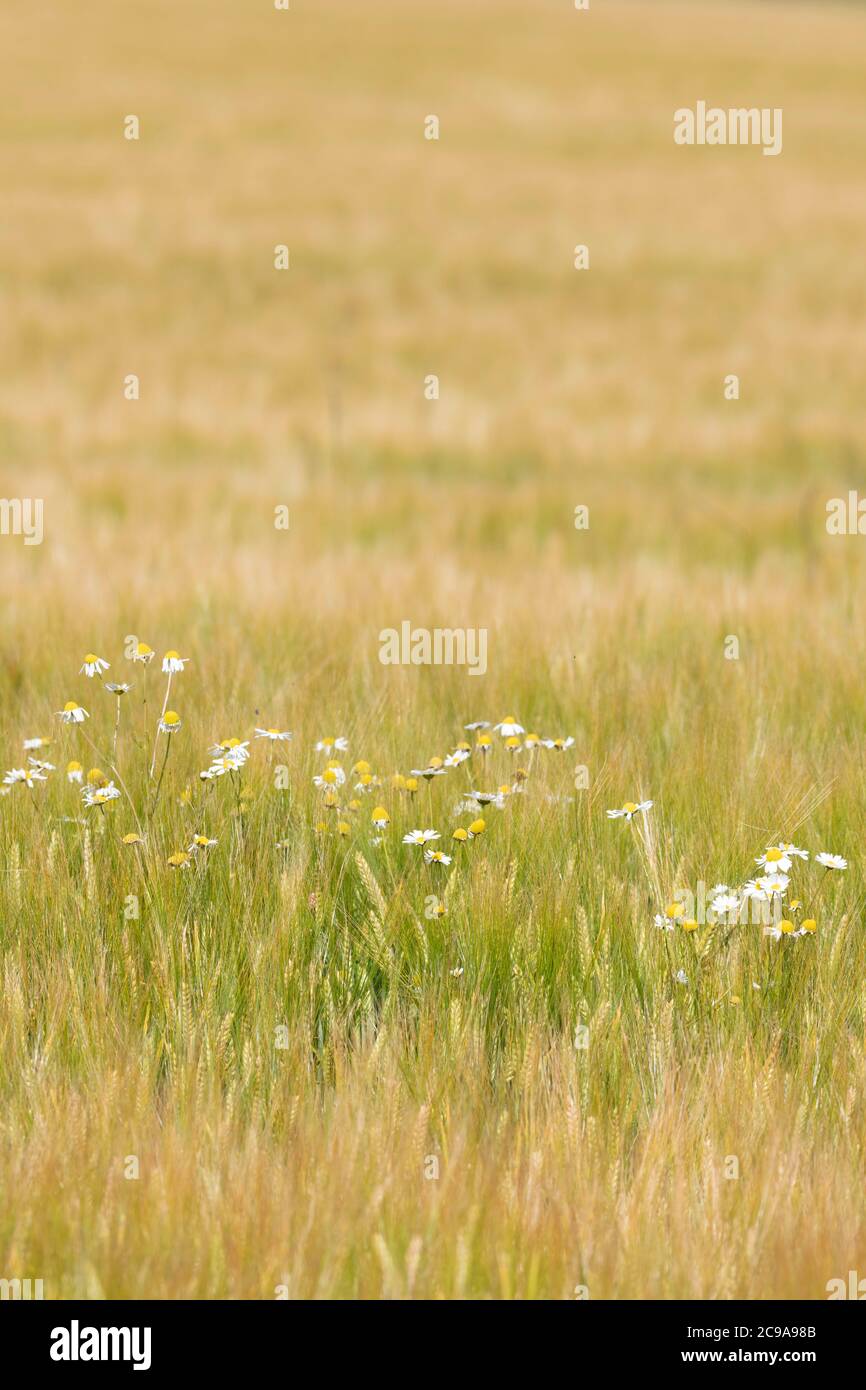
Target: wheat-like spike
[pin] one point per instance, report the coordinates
(369, 880)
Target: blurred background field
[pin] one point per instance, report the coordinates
(559, 388)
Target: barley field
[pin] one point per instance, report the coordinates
(302, 1061)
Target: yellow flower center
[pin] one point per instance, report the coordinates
(810, 924)
(773, 855)
(171, 717)
(630, 806)
(786, 926)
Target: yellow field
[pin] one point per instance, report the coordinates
(327, 1092)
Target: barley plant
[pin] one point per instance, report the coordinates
(324, 978)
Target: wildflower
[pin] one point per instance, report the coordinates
(333, 776)
(436, 856)
(689, 924)
(477, 827)
(93, 666)
(629, 810)
(40, 766)
(831, 861)
(343, 827)
(131, 839)
(809, 925)
(420, 837)
(118, 687)
(411, 785)
(74, 772)
(367, 782)
(100, 796)
(531, 741)
(560, 744)
(170, 722)
(274, 735)
(681, 977)
(72, 713)
(457, 757)
(487, 798)
(434, 768)
(143, 653)
(380, 818)
(27, 776)
(663, 923)
(327, 745)
(201, 842)
(508, 726)
(97, 778)
(362, 768)
(31, 744)
(774, 885)
(725, 904)
(478, 724)
(460, 835)
(484, 743)
(439, 911)
(172, 662)
(774, 861)
(792, 851)
(180, 860)
(513, 744)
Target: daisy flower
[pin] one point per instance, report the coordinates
(755, 891)
(809, 926)
(484, 743)
(333, 776)
(274, 735)
(143, 653)
(93, 665)
(118, 687)
(436, 856)
(531, 741)
(513, 744)
(362, 767)
(774, 885)
(100, 796)
(663, 923)
(629, 810)
(327, 745)
(488, 798)
(74, 772)
(27, 776)
(380, 818)
(725, 904)
(72, 713)
(831, 861)
(172, 662)
(131, 839)
(477, 724)
(560, 744)
(201, 842)
(477, 827)
(31, 744)
(774, 861)
(792, 852)
(457, 757)
(180, 860)
(367, 782)
(170, 722)
(508, 726)
(460, 835)
(420, 837)
(40, 766)
(434, 768)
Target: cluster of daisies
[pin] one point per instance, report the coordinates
(340, 797)
(767, 898)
